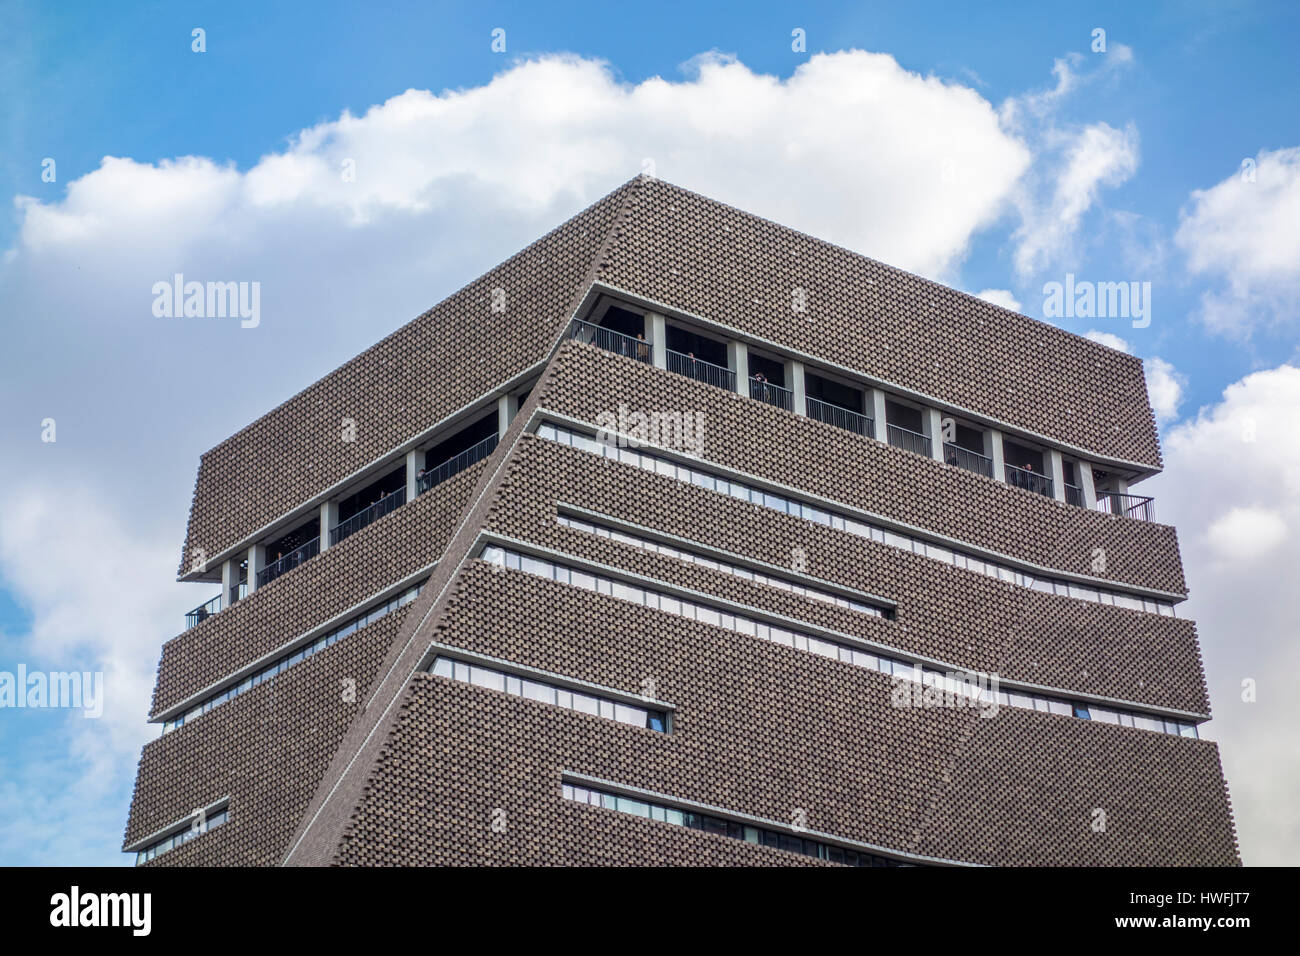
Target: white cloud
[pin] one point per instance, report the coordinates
(1232, 486)
(1244, 234)
(1002, 297)
(1164, 387)
(1093, 157)
(1246, 534)
(1109, 339)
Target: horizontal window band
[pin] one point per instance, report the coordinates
(841, 517)
(547, 688)
(846, 648)
(576, 781)
(160, 841)
(716, 559)
(389, 459)
(813, 362)
(306, 645)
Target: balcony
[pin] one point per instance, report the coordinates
(967, 459)
(368, 516)
(765, 391)
(1137, 507)
(456, 464)
(628, 346)
(1074, 495)
(1029, 480)
(288, 562)
(701, 370)
(908, 440)
(841, 417)
(202, 612)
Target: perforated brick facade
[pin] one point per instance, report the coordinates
(358, 756)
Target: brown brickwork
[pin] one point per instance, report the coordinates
(411, 770)
(266, 749)
(958, 616)
(760, 439)
(708, 259)
(359, 566)
(760, 729)
(396, 389)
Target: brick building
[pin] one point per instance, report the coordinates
(681, 537)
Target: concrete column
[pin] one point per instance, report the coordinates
(256, 562)
(229, 580)
(738, 362)
(329, 517)
(412, 472)
(993, 449)
(795, 382)
(932, 425)
(656, 330)
(1056, 471)
(507, 406)
(1088, 485)
(876, 409)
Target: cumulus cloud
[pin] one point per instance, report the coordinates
(1232, 487)
(1244, 235)
(1002, 297)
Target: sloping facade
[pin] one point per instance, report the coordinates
(745, 498)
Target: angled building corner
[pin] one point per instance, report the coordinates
(690, 539)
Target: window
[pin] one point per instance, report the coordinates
(969, 685)
(893, 539)
(535, 688)
(659, 812)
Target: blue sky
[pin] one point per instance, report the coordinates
(1121, 165)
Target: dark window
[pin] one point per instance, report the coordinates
(1022, 456)
(775, 371)
(904, 416)
(294, 540)
(834, 393)
(623, 320)
(691, 343)
(972, 439)
(467, 437)
(371, 493)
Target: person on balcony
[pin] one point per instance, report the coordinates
(642, 348)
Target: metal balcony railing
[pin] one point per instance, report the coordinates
(385, 505)
(629, 346)
(1029, 480)
(965, 458)
(456, 464)
(288, 562)
(1074, 495)
(202, 612)
(1137, 507)
(907, 440)
(772, 394)
(238, 592)
(841, 417)
(701, 370)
